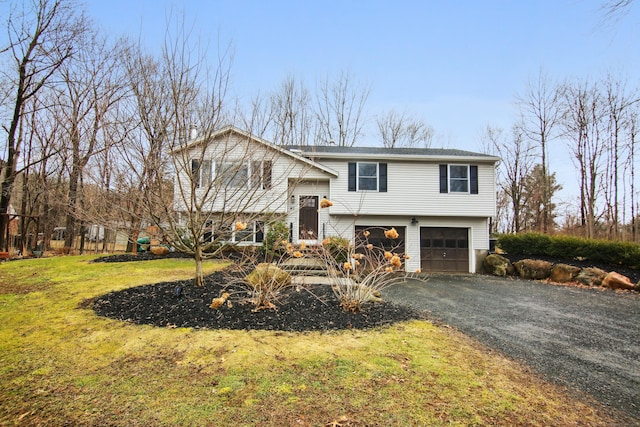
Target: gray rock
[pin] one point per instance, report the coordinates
(591, 276)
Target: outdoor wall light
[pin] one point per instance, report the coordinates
(414, 221)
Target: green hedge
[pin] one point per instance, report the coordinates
(626, 254)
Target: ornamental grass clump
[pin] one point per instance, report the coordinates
(266, 282)
(262, 275)
(370, 267)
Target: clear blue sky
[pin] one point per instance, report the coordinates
(455, 64)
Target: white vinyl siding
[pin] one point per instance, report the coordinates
(413, 189)
(279, 172)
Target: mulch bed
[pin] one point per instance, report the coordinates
(297, 309)
(140, 256)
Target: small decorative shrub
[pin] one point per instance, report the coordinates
(277, 232)
(367, 270)
(338, 248)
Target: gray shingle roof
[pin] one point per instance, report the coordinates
(310, 150)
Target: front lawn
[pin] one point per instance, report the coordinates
(61, 364)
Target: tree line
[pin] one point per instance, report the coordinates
(90, 121)
(595, 121)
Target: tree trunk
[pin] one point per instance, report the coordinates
(5, 199)
(71, 206)
(197, 256)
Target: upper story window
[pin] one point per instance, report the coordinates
(201, 172)
(261, 172)
(232, 174)
(368, 176)
(459, 179)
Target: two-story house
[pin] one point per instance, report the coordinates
(440, 201)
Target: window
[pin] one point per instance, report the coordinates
(267, 168)
(261, 174)
(232, 174)
(205, 173)
(459, 179)
(195, 172)
(254, 233)
(201, 172)
(367, 176)
(256, 174)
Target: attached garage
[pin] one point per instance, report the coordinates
(444, 249)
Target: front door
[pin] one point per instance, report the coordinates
(308, 218)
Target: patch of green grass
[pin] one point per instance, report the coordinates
(60, 363)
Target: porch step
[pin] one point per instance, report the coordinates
(304, 267)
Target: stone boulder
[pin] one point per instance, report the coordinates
(562, 273)
(498, 265)
(615, 280)
(533, 269)
(159, 250)
(591, 276)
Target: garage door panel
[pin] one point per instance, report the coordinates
(444, 249)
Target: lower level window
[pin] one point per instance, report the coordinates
(254, 233)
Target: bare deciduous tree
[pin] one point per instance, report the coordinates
(541, 113)
(339, 111)
(42, 36)
(401, 130)
(92, 85)
(583, 122)
(224, 186)
(618, 103)
(291, 113)
(516, 153)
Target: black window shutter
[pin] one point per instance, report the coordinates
(352, 177)
(473, 175)
(444, 185)
(382, 170)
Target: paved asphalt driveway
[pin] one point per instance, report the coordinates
(587, 339)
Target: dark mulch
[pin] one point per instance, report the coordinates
(141, 256)
(298, 309)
